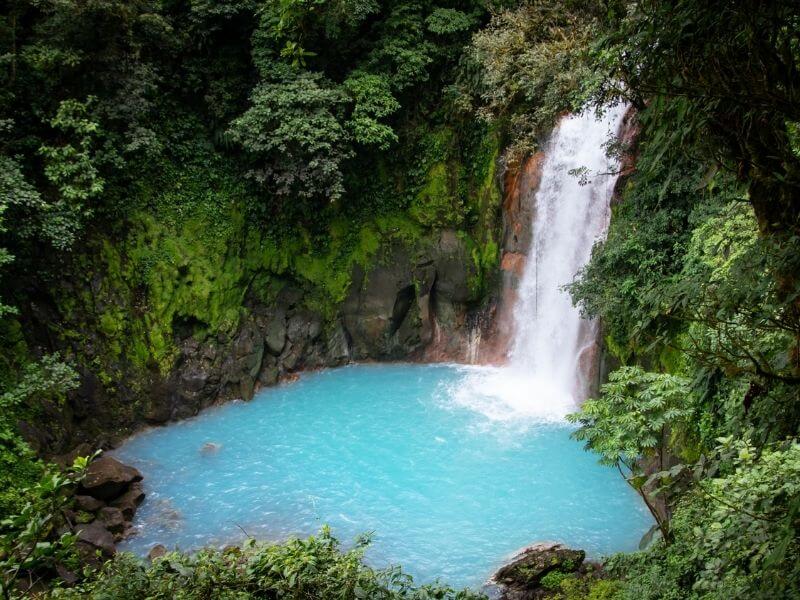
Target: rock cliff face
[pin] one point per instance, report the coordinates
(392, 311)
(413, 301)
(423, 297)
(519, 189)
(410, 300)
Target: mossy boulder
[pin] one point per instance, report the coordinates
(525, 575)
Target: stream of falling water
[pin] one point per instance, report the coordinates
(543, 378)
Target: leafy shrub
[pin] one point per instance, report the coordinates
(734, 535)
(630, 423)
(293, 130)
(575, 588)
(312, 569)
(37, 541)
(47, 380)
(532, 65)
(553, 580)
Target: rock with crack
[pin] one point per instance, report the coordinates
(113, 520)
(94, 538)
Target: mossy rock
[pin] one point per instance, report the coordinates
(438, 204)
(529, 568)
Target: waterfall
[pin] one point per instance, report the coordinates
(543, 377)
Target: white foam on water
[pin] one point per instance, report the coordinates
(541, 381)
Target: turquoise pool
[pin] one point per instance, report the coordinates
(448, 490)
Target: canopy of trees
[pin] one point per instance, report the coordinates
(311, 113)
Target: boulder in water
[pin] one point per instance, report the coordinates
(157, 551)
(521, 577)
(107, 478)
(113, 520)
(167, 516)
(129, 501)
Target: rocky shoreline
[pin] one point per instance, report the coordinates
(104, 506)
(110, 493)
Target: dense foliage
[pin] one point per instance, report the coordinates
(296, 570)
(697, 282)
(237, 143)
(160, 161)
(36, 543)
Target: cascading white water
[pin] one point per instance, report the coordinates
(542, 377)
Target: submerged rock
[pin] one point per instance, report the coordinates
(521, 577)
(107, 478)
(167, 516)
(210, 448)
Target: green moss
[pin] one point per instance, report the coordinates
(400, 227)
(83, 517)
(575, 588)
(485, 201)
(437, 204)
(552, 581)
(190, 254)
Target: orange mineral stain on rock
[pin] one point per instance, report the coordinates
(519, 194)
(514, 262)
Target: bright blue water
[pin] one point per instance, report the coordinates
(448, 492)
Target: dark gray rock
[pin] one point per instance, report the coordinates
(247, 387)
(297, 328)
(275, 335)
(291, 357)
(454, 268)
(194, 378)
(67, 576)
(107, 478)
(377, 305)
(113, 520)
(269, 375)
(314, 328)
(94, 537)
(159, 407)
(130, 500)
(337, 348)
(248, 350)
(88, 503)
(425, 278)
(289, 297)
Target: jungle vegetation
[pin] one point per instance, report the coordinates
(124, 119)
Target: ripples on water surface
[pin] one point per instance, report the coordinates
(450, 480)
